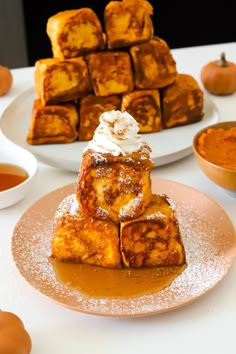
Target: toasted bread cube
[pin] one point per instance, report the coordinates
(127, 22)
(78, 237)
(59, 80)
(110, 72)
(154, 238)
(182, 102)
(154, 65)
(52, 124)
(90, 109)
(73, 33)
(145, 106)
(115, 187)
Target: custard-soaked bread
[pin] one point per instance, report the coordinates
(128, 22)
(90, 109)
(114, 177)
(115, 187)
(182, 102)
(79, 237)
(75, 32)
(52, 124)
(154, 65)
(154, 238)
(145, 106)
(59, 80)
(110, 72)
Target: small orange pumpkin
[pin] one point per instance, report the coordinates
(6, 80)
(219, 76)
(14, 339)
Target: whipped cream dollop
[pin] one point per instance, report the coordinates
(117, 133)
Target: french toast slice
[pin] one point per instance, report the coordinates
(52, 124)
(80, 238)
(115, 187)
(127, 22)
(111, 72)
(145, 106)
(154, 65)
(154, 238)
(59, 80)
(90, 109)
(182, 102)
(73, 33)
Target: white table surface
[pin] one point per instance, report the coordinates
(204, 326)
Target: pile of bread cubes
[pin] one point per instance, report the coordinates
(118, 65)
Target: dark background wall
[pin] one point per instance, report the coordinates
(180, 23)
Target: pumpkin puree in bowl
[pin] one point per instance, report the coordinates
(219, 147)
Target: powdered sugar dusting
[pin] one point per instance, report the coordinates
(209, 240)
(130, 208)
(206, 254)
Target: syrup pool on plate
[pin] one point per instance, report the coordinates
(114, 283)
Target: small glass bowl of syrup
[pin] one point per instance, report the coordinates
(18, 168)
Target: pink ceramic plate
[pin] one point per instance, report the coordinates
(208, 235)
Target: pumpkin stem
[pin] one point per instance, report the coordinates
(222, 62)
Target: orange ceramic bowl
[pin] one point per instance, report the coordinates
(224, 177)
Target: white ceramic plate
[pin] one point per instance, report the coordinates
(168, 145)
(208, 235)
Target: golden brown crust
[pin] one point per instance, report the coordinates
(59, 80)
(182, 102)
(52, 124)
(154, 65)
(154, 238)
(127, 22)
(90, 109)
(75, 32)
(145, 106)
(115, 187)
(78, 237)
(110, 72)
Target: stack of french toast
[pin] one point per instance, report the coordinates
(119, 64)
(113, 219)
